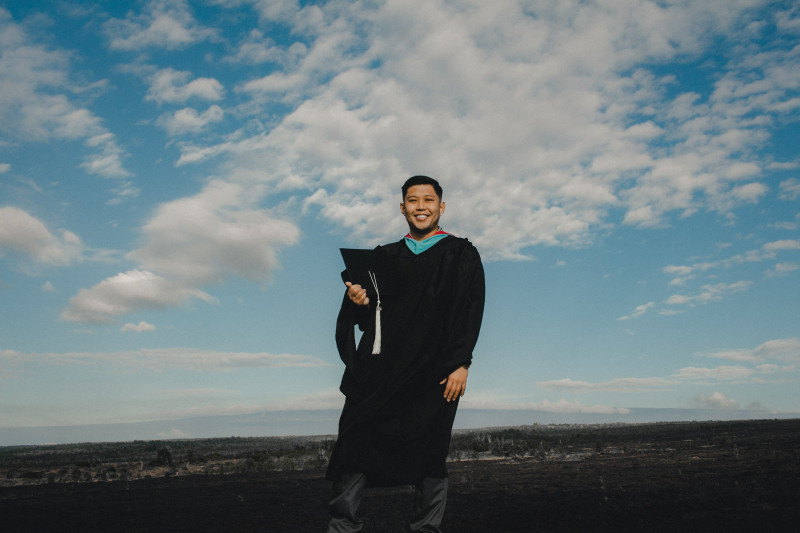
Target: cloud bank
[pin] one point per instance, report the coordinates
(549, 123)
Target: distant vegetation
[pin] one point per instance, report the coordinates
(145, 459)
(70, 463)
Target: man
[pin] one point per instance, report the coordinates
(403, 381)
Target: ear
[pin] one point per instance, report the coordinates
(403, 208)
(441, 208)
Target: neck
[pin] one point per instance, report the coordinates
(421, 237)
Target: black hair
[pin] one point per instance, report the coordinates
(422, 180)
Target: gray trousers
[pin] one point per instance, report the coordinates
(429, 501)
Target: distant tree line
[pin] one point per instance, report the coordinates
(252, 455)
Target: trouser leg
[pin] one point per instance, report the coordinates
(343, 506)
(429, 502)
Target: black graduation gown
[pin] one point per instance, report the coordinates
(395, 426)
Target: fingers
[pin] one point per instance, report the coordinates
(454, 389)
(455, 394)
(357, 294)
(456, 384)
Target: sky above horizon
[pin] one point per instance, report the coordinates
(176, 178)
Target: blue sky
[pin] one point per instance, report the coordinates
(176, 179)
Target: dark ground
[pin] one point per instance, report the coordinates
(694, 477)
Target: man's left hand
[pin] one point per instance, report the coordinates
(456, 384)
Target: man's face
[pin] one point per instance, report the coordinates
(422, 209)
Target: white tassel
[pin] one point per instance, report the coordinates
(376, 346)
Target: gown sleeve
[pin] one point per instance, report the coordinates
(466, 312)
(350, 316)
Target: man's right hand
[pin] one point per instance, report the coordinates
(357, 294)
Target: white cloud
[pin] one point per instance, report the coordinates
(720, 373)
(751, 192)
(709, 293)
(639, 311)
(277, 10)
(787, 244)
(540, 120)
(48, 287)
(173, 86)
(716, 401)
(160, 358)
(211, 236)
(191, 393)
(36, 101)
(174, 433)
(769, 251)
(189, 243)
(682, 274)
(781, 269)
(774, 357)
(125, 293)
(286, 86)
(768, 368)
(21, 233)
(188, 120)
(166, 24)
(482, 401)
(785, 350)
(212, 402)
(790, 226)
(614, 385)
(108, 162)
(684, 271)
(138, 328)
(258, 48)
(790, 189)
(329, 399)
(537, 119)
(4, 167)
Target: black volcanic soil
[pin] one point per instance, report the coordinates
(742, 476)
